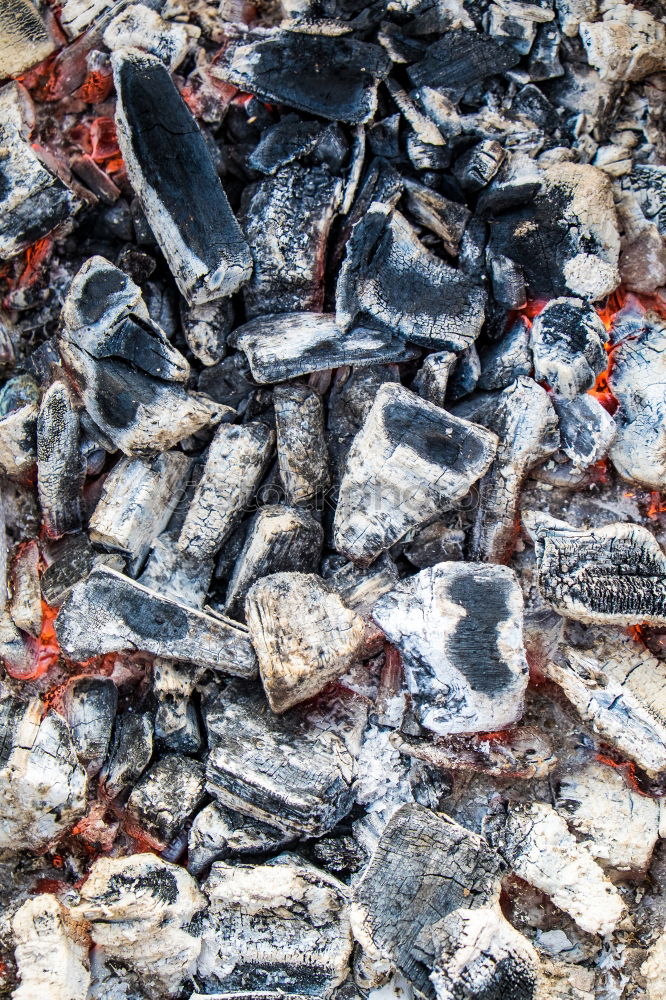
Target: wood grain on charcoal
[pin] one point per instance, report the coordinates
(60, 470)
(25, 601)
(51, 951)
(301, 443)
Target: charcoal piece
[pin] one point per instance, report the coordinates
(90, 707)
(51, 951)
(352, 395)
(235, 464)
(175, 574)
(60, 470)
(354, 169)
(137, 26)
(206, 328)
(164, 797)
(19, 654)
(477, 167)
(524, 752)
(458, 627)
(526, 423)
(382, 183)
(329, 76)
(612, 575)
(459, 59)
(508, 282)
(279, 539)
(567, 342)
(447, 219)
(432, 379)
(436, 542)
(290, 139)
(389, 276)
(176, 722)
(301, 444)
(465, 374)
(18, 442)
(303, 634)
(534, 841)
(109, 612)
(512, 29)
(587, 430)
(435, 867)
(281, 347)
(628, 44)
(137, 500)
(177, 183)
(71, 560)
(544, 61)
(25, 601)
(408, 462)
(130, 753)
(218, 833)
(360, 589)
(286, 219)
(423, 128)
(24, 38)
(295, 771)
(508, 358)
(143, 915)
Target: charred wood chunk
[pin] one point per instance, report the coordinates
(24, 38)
(360, 589)
(295, 771)
(137, 500)
(206, 328)
(477, 167)
(587, 430)
(503, 362)
(236, 461)
(304, 636)
(109, 612)
(460, 59)
(389, 276)
(141, 912)
(176, 723)
(25, 602)
(130, 753)
(432, 379)
(175, 574)
(525, 752)
(176, 182)
(70, 560)
(51, 951)
(301, 443)
(525, 421)
(613, 575)
(90, 707)
(567, 343)
(19, 653)
(447, 219)
(218, 833)
(281, 347)
(138, 26)
(282, 924)
(409, 461)
(435, 867)
(165, 797)
(279, 539)
(288, 140)
(508, 282)
(286, 219)
(329, 76)
(458, 627)
(60, 471)
(628, 44)
(18, 442)
(465, 374)
(536, 844)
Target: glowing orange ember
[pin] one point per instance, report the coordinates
(96, 87)
(48, 646)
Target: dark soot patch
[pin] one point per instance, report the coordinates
(473, 646)
(407, 425)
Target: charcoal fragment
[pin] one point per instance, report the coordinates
(175, 574)
(301, 444)
(60, 470)
(165, 797)
(504, 361)
(24, 38)
(218, 833)
(90, 708)
(25, 602)
(51, 951)
(567, 341)
(289, 139)
(459, 59)
(130, 753)
(477, 167)
(524, 752)
(447, 219)
(587, 430)
(70, 560)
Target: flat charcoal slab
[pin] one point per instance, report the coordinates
(284, 346)
(332, 77)
(295, 771)
(460, 59)
(459, 629)
(282, 924)
(176, 181)
(424, 867)
(409, 461)
(390, 276)
(109, 612)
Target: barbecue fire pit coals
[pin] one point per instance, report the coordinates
(332, 500)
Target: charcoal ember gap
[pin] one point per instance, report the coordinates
(176, 183)
(89, 706)
(51, 951)
(164, 797)
(60, 471)
(129, 754)
(524, 752)
(25, 602)
(283, 924)
(218, 833)
(301, 444)
(567, 341)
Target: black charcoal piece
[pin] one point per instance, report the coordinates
(218, 833)
(165, 797)
(460, 59)
(279, 539)
(425, 866)
(432, 379)
(25, 600)
(525, 422)
(389, 276)
(281, 347)
(290, 139)
(329, 76)
(174, 574)
(504, 361)
(508, 281)
(304, 636)
(301, 444)
(477, 167)
(235, 463)
(459, 629)
(206, 328)
(465, 374)
(176, 181)
(70, 560)
(295, 771)
(613, 575)
(567, 342)
(587, 430)
(408, 462)
(90, 708)
(24, 38)
(544, 62)
(286, 219)
(60, 471)
(130, 753)
(109, 612)
(524, 752)
(447, 219)
(176, 723)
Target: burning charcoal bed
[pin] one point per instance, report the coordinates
(333, 500)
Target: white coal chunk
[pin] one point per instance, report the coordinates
(24, 38)
(458, 627)
(567, 341)
(129, 754)
(109, 612)
(89, 706)
(303, 634)
(18, 441)
(177, 184)
(653, 969)
(25, 600)
(626, 43)
(235, 463)
(597, 799)
(587, 430)
(164, 798)
(409, 461)
(60, 472)
(301, 444)
(283, 924)
(431, 381)
(51, 951)
(137, 26)
(390, 276)
(507, 359)
(425, 867)
(536, 844)
(218, 833)
(77, 15)
(174, 574)
(295, 771)
(206, 328)
(142, 911)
